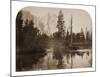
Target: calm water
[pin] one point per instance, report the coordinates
(77, 59)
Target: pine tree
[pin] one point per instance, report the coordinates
(82, 37)
(60, 24)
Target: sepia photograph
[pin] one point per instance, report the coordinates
(53, 38)
(50, 38)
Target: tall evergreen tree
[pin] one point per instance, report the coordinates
(60, 24)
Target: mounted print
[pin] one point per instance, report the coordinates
(51, 38)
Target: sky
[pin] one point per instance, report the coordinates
(47, 17)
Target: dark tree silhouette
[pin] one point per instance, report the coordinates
(30, 35)
(19, 32)
(19, 38)
(60, 24)
(31, 50)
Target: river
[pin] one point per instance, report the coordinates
(80, 59)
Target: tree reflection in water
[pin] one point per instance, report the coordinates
(58, 60)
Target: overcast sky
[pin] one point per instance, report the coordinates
(81, 18)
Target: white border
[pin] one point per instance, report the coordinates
(17, 6)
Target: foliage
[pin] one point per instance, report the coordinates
(28, 49)
(60, 25)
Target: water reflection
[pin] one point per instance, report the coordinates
(55, 59)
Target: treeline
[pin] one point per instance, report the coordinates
(30, 44)
(69, 36)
